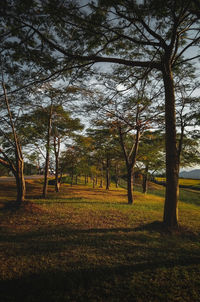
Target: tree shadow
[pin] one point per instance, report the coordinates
(13, 207)
(88, 284)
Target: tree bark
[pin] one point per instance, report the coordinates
(56, 152)
(172, 166)
(130, 184)
(72, 177)
(57, 184)
(101, 179)
(20, 181)
(107, 173)
(144, 179)
(45, 186)
(116, 176)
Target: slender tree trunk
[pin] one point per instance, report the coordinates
(46, 171)
(76, 179)
(101, 179)
(172, 167)
(57, 183)
(107, 173)
(130, 159)
(72, 177)
(116, 176)
(56, 153)
(130, 184)
(101, 183)
(85, 179)
(45, 186)
(144, 179)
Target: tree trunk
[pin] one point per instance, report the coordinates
(116, 176)
(57, 185)
(130, 184)
(107, 173)
(101, 183)
(56, 153)
(101, 179)
(72, 177)
(45, 186)
(130, 159)
(20, 181)
(144, 180)
(46, 171)
(172, 167)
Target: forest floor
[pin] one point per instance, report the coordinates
(85, 244)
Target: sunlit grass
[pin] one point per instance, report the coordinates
(183, 181)
(87, 244)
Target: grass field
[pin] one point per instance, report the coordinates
(186, 182)
(87, 244)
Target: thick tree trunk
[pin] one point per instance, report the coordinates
(172, 167)
(20, 181)
(130, 185)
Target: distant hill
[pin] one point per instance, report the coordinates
(195, 174)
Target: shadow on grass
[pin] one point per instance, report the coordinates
(13, 207)
(98, 236)
(99, 283)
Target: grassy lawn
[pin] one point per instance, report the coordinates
(87, 244)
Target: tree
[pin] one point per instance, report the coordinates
(127, 115)
(151, 155)
(106, 149)
(10, 147)
(149, 35)
(63, 126)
